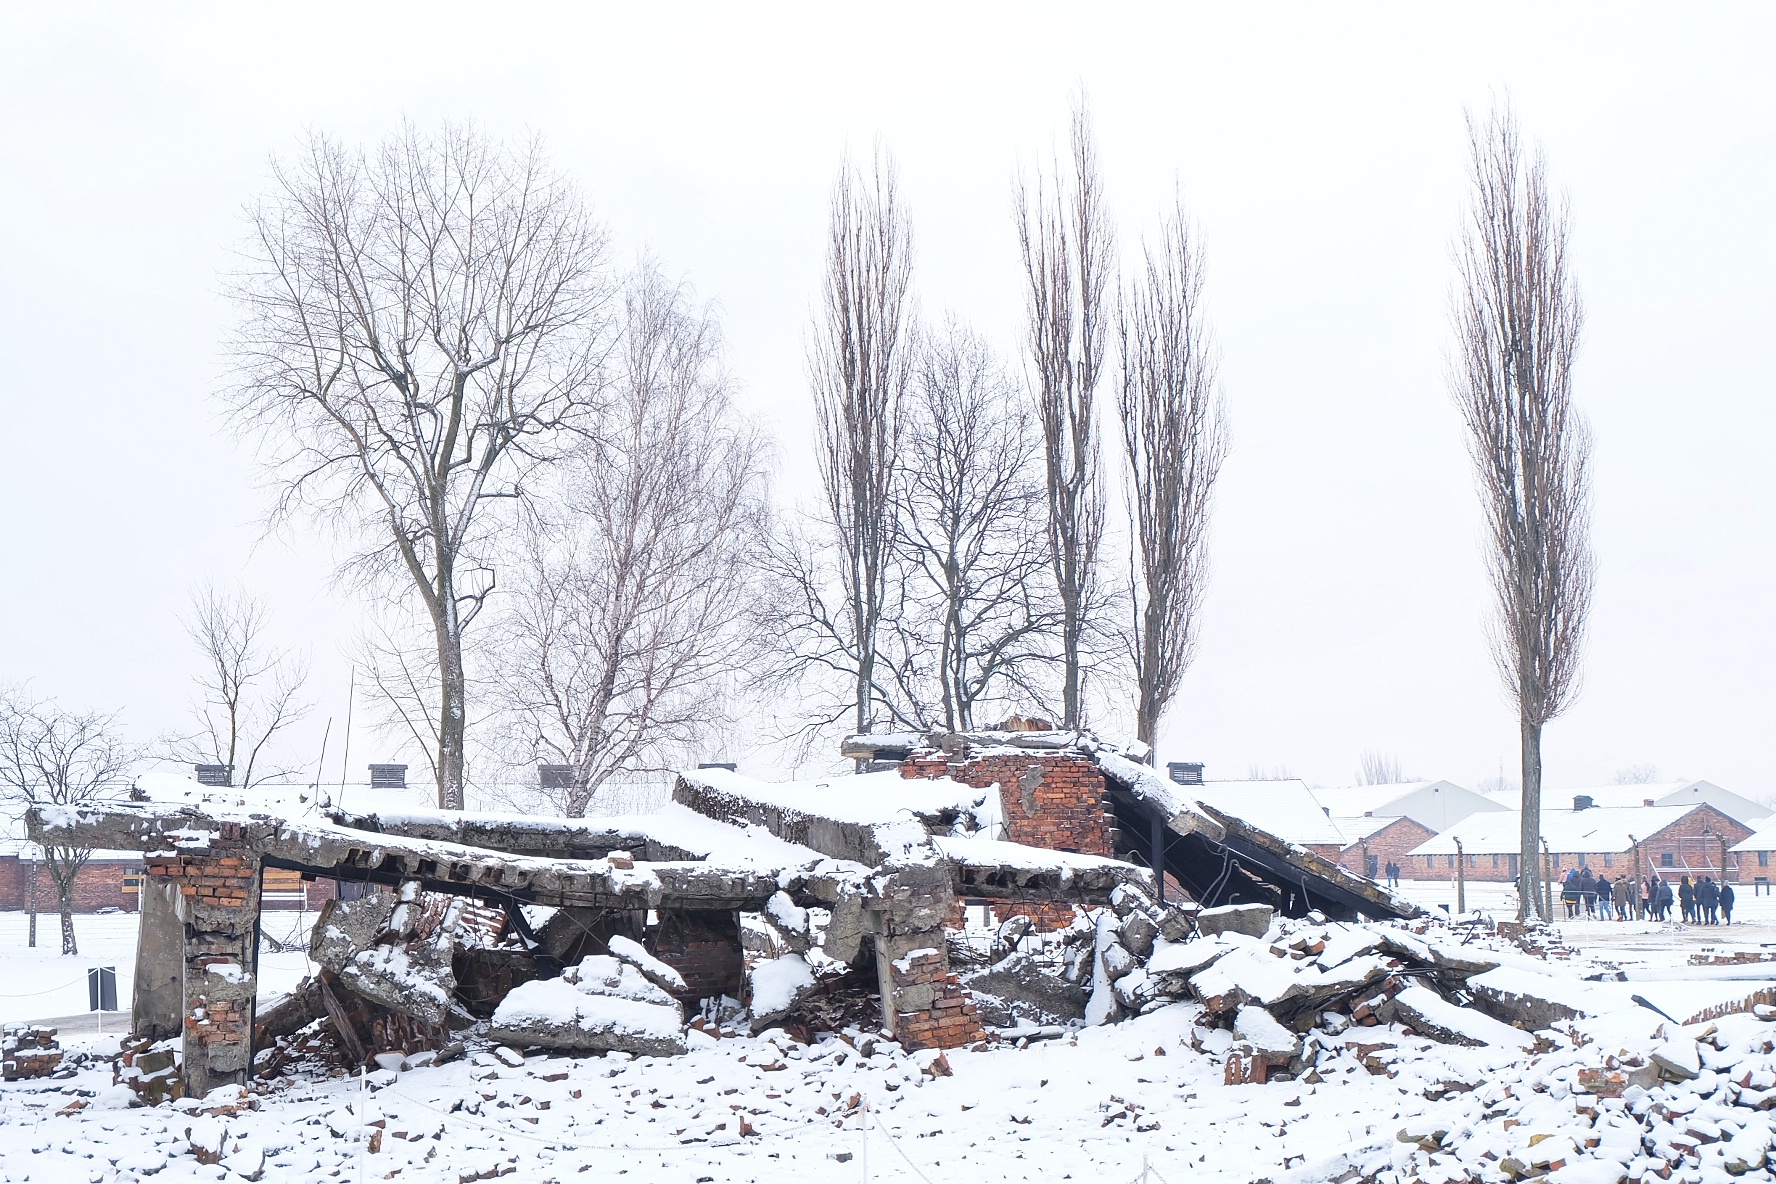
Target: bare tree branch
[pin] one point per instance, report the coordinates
(1174, 439)
(1517, 318)
(249, 692)
(423, 325)
(973, 525)
(625, 625)
(53, 757)
(1068, 247)
(836, 579)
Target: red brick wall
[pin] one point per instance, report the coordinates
(97, 885)
(1391, 843)
(1053, 800)
(1064, 790)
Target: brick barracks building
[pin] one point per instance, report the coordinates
(1671, 841)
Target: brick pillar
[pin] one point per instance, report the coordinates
(922, 1002)
(219, 901)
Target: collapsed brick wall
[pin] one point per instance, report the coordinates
(1053, 800)
(219, 904)
(949, 1019)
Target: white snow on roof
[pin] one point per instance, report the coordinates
(1356, 829)
(1286, 808)
(1352, 801)
(1601, 829)
(721, 843)
(1660, 793)
(867, 799)
(996, 852)
(1762, 839)
(1145, 783)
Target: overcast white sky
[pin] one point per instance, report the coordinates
(1320, 148)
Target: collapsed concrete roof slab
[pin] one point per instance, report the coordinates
(671, 833)
(338, 852)
(882, 818)
(1217, 856)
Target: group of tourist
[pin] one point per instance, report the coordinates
(1702, 901)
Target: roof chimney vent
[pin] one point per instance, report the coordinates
(1185, 772)
(1582, 801)
(388, 776)
(214, 774)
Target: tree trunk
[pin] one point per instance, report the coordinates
(65, 902)
(1070, 630)
(452, 714)
(1529, 836)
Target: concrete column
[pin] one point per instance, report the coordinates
(157, 1005)
(219, 900)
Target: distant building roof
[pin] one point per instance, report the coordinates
(1436, 804)
(1600, 830)
(1664, 793)
(1286, 808)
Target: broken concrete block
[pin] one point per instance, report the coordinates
(600, 1005)
(1253, 920)
(630, 951)
(777, 985)
(1178, 922)
(1679, 1059)
(844, 932)
(1260, 1029)
(1133, 990)
(1527, 1000)
(347, 926)
(1029, 991)
(1429, 1014)
(1126, 900)
(1117, 960)
(1138, 934)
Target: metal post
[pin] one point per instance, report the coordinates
(1547, 881)
(31, 895)
(1461, 878)
(1159, 858)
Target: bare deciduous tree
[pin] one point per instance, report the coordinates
(1068, 249)
(623, 626)
(835, 578)
(1174, 439)
(250, 692)
(972, 520)
(423, 325)
(53, 757)
(1517, 318)
(1379, 768)
(1644, 773)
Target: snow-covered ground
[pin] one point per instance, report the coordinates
(1103, 1104)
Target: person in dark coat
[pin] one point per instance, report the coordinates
(1686, 899)
(1726, 902)
(1569, 893)
(1603, 897)
(1587, 892)
(1664, 899)
(1708, 897)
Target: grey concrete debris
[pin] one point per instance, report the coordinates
(1025, 989)
(601, 1005)
(1253, 920)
